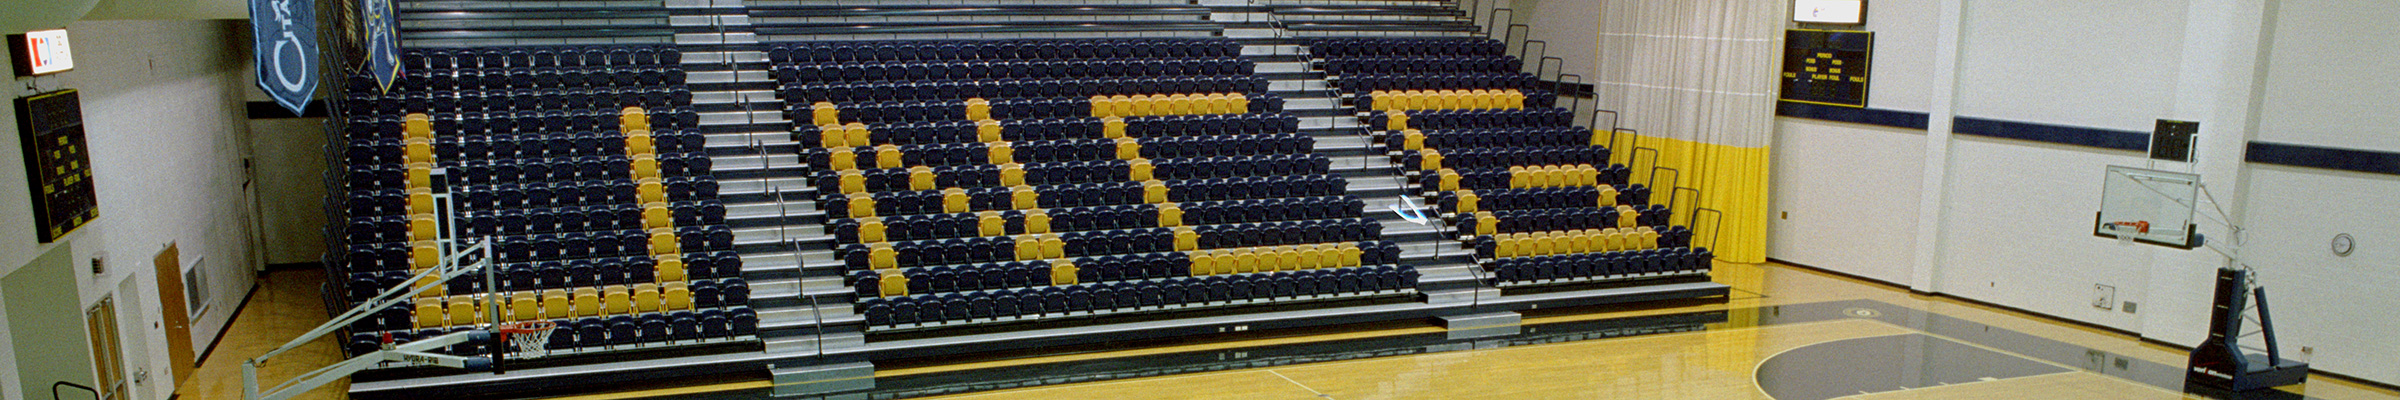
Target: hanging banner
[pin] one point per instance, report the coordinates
(286, 49)
(383, 42)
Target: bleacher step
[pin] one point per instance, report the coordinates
(812, 344)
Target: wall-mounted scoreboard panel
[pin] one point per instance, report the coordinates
(1827, 67)
(57, 161)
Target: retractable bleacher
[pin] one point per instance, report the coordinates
(837, 185)
(1535, 197)
(579, 163)
(1009, 182)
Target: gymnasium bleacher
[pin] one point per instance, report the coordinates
(787, 185)
(1048, 177)
(1535, 197)
(580, 164)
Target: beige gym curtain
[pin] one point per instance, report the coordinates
(1696, 78)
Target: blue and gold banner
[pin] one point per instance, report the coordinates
(383, 42)
(285, 32)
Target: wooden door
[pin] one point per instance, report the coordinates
(176, 314)
(100, 322)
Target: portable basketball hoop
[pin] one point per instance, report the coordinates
(531, 338)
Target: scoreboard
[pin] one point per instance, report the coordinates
(57, 162)
(1827, 67)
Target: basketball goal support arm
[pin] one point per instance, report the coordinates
(409, 289)
(452, 267)
(416, 352)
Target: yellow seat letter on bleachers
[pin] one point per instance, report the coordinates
(1062, 273)
(892, 284)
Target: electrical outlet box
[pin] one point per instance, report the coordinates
(2104, 297)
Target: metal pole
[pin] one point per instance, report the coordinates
(491, 306)
(2266, 325)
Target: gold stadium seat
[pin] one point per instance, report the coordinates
(1037, 221)
(463, 311)
(675, 295)
(1024, 197)
(664, 243)
(862, 205)
(1053, 246)
(955, 200)
(1062, 273)
(645, 298)
(416, 126)
(1170, 215)
(524, 306)
(429, 314)
(615, 300)
(557, 304)
(587, 302)
(978, 109)
(989, 223)
(887, 156)
(640, 143)
(1112, 127)
(657, 216)
(921, 178)
(870, 230)
(1139, 169)
(883, 257)
(670, 270)
(892, 284)
(825, 113)
(650, 191)
(998, 153)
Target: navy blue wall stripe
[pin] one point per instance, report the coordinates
(1869, 116)
(2369, 161)
(2325, 157)
(2061, 134)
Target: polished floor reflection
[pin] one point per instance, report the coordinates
(1788, 333)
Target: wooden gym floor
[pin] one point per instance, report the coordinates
(1787, 333)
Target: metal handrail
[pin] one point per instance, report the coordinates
(54, 389)
(1629, 153)
(1506, 30)
(1557, 87)
(1675, 196)
(1715, 228)
(1653, 181)
(1612, 115)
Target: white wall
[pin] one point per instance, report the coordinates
(1903, 65)
(161, 101)
(2103, 64)
(2330, 79)
(1845, 197)
(2018, 214)
(2010, 219)
(2333, 74)
(2341, 306)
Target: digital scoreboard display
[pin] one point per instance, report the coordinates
(57, 161)
(1827, 67)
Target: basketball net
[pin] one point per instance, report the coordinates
(530, 338)
(2125, 233)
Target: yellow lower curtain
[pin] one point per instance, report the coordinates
(1731, 180)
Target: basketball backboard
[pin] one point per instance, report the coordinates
(2149, 206)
